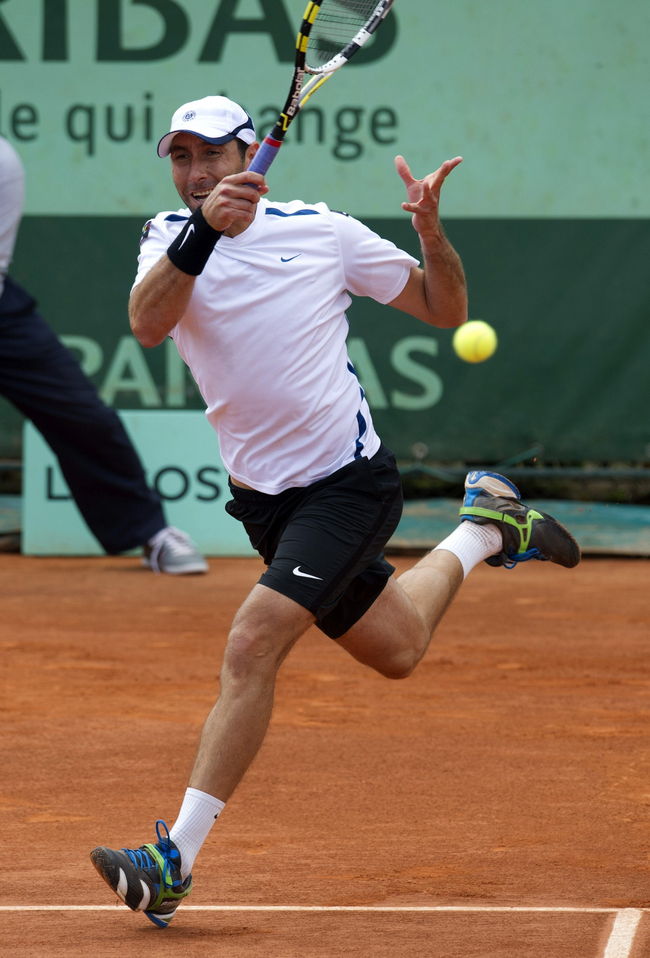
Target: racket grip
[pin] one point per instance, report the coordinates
(265, 155)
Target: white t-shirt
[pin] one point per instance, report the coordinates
(265, 338)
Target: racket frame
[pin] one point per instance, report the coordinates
(302, 90)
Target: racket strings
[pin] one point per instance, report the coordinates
(337, 24)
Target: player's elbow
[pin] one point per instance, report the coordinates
(147, 338)
(145, 323)
(449, 313)
(146, 333)
(455, 315)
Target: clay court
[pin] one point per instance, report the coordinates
(494, 805)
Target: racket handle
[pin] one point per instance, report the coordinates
(265, 155)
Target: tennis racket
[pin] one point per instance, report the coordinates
(330, 34)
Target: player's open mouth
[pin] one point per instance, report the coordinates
(200, 197)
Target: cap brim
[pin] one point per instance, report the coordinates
(165, 144)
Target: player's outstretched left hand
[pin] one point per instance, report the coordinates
(424, 195)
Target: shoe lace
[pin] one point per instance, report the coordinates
(514, 560)
(142, 859)
(164, 840)
(174, 541)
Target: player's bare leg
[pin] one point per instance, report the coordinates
(262, 634)
(396, 631)
(156, 877)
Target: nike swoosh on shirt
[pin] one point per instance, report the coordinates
(305, 575)
(190, 229)
(287, 259)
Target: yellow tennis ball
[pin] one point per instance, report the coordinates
(474, 341)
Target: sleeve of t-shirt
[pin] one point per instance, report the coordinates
(372, 266)
(157, 234)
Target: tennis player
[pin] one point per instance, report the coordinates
(254, 295)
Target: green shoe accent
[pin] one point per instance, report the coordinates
(522, 523)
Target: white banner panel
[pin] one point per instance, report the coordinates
(546, 101)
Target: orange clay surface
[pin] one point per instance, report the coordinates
(512, 769)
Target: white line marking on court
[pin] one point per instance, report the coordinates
(622, 926)
(623, 933)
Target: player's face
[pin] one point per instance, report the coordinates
(198, 166)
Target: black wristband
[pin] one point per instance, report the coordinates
(191, 249)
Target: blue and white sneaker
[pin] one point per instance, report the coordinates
(527, 533)
(148, 878)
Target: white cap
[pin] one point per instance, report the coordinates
(215, 119)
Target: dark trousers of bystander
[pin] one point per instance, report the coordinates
(44, 381)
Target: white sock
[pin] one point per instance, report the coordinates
(198, 814)
(472, 543)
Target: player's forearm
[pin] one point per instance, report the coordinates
(444, 286)
(158, 302)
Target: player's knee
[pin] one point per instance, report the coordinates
(249, 653)
(398, 666)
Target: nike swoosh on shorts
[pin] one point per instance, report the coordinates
(305, 575)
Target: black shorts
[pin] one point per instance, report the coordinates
(323, 544)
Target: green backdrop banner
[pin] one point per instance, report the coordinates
(570, 376)
(547, 102)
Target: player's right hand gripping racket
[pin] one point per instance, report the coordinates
(331, 32)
